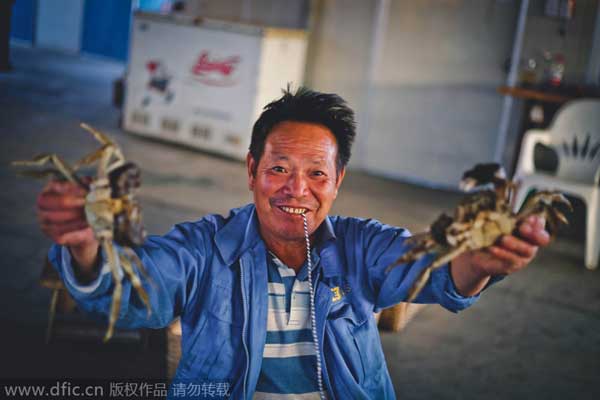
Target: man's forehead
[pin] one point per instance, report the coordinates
(284, 156)
(294, 130)
(290, 138)
(313, 152)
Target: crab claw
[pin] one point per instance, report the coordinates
(556, 218)
(559, 198)
(559, 216)
(552, 198)
(546, 199)
(548, 204)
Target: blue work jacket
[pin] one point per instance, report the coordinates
(213, 275)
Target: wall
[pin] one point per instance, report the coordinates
(433, 109)
(106, 28)
(23, 20)
(280, 13)
(428, 108)
(338, 55)
(436, 110)
(98, 27)
(59, 24)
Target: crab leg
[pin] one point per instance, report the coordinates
(414, 254)
(542, 204)
(51, 314)
(45, 173)
(445, 258)
(418, 285)
(132, 255)
(91, 158)
(529, 207)
(424, 275)
(116, 298)
(406, 257)
(135, 281)
(53, 159)
(545, 199)
(101, 137)
(417, 238)
(111, 150)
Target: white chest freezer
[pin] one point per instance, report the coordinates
(203, 83)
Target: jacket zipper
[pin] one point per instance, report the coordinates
(244, 328)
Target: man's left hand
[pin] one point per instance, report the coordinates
(471, 270)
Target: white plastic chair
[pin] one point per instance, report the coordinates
(575, 136)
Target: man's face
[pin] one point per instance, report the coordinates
(297, 172)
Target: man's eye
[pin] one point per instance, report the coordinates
(278, 169)
(319, 173)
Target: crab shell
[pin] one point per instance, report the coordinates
(99, 209)
(112, 210)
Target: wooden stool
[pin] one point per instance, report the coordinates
(395, 318)
(78, 327)
(60, 301)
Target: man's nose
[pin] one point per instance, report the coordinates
(296, 185)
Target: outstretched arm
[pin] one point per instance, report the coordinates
(471, 271)
(171, 261)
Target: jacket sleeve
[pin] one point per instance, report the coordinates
(175, 264)
(382, 245)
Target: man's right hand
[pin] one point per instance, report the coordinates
(61, 215)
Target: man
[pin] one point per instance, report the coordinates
(239, 284)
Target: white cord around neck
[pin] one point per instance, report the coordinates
(313, 319)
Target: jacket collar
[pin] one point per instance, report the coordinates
(241, 233)
(328, 249)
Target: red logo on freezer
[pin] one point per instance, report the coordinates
(216, 72)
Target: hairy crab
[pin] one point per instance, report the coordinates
(479, 220)
(111, 210)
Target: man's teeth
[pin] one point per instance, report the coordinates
(293, 210)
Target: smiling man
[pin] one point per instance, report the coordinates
(297, 174)
(257, 317)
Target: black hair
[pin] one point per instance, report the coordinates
(306, 105)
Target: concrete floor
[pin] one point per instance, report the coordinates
(534, 335)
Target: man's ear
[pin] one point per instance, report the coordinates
(251, 170)
(340, 178)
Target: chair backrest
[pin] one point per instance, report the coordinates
(575, 135)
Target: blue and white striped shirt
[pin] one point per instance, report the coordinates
(289, 362)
